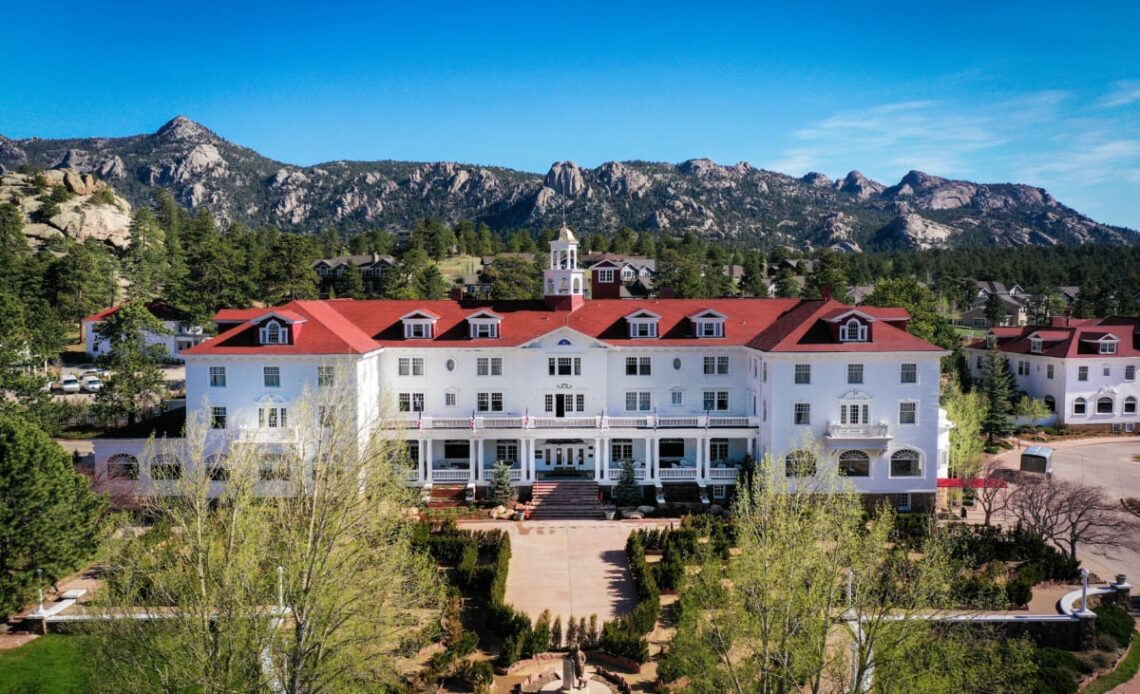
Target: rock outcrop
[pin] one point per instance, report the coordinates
(85, 215)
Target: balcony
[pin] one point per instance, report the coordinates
(858, 435)
(723, 474)
(677, 474)
(506, 421)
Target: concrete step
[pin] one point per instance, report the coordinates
(566, 500)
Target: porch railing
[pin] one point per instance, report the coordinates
(677, 474)
(450, 475)
(405, 421)
(723, 473)
(615, 473)
(858, 431)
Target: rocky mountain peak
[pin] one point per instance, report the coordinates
(566, 178)
(182, 129)
(816, 179)
(855, 183)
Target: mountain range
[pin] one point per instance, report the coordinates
(735, 202)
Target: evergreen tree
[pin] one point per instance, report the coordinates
(289, 270)
(136, 380)
(430, 284)
(682, 274)
(995, 310)
(627, 492)
(502, 493)
(82, 281)
(13, 247)
(29, 336)
(331, 243)
(514, 277)
(752, 282)
(50, 520)
(145, 262)
(997, 388)
(786, 286)
(353, 284)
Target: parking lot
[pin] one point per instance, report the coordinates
(173, 375)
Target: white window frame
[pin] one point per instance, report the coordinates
(1035, 345)
(1129, 372)
(218, 417)
(642, 401)
(489, 402)
(1082, 373)
(910, 368)
(642, 328)
(1083, 405)
(677, 398)
(273, 333)
(719, 399)
(1108, 347)
(326, 376)
(803, 408)
(606, 275)
(853, 325)
(450, 398)
(1129, 406)
(1111, 405)
(710, 328)
(410, 402)
(919, 464)
(573, 365)
(855, 374)
(912, 405)
(217, 377)
(1049, 371)
(271, 371)
(803, 370)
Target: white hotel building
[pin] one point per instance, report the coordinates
(686, 388)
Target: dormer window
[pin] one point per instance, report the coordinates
(273, 333)
(854, 330)
(1035, 345)
(419, 325)
(483, 325)
(708, 324)
(1108, 345)
(642, 324)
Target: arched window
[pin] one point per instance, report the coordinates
(854, 464)
(906, 463)
(1051, 403)
(853, 331)
(800, 463)
(1079, 406)
(1130, 405)
(1104, 405)
(123, 466)
(165, 467)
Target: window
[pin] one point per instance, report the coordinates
(854, 464)
(718, 450)
(273, 334)
(606, 276)
(902, 502)
(417, 331)
(908, 373)
(621, 449)
(676, 363)
(854, 413)
(716, 366)
(1107, 371)
(802, 413)
(1082, 373)
(564, 366)
(637, 401)
(716, 400)
(411, 366)
(1049, 371)
(643, 328)
(217, 377)
(1051, 403)
(507, 451)
(907, 412)
(457, 449)
(271, 376)
(489, 402)
(906, 463)
(677, 398)
(991, 339)
(218, 470)
(489, 329)
(719, 491)
(854, 373)
(1130, 373)
(274, 468)
(411, 402)
(489, 366)
(710, 328)
(1035, 345)
(799, 463)
(764, 371)
(638, 366)
(1079, 406)
(123, 467)
(1108, 347)
(272, 417)
(1022, 368)
(803, 374)
(1104, 405)
(326, 376)
(165, 467)
(1129, 405)
(325, 417)
(449, 399)
(217, 418)
(853, 330)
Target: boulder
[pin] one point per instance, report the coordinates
(647, 510)
(632, 515)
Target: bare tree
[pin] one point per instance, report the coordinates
(1070, 514)
(991, 491)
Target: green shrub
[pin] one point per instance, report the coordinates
(59, 194)
(465, 644)
(671, 570)
(476, 674)
(621, 640)
(104, 196)
(1114, 621)
(1055, 671)
(1019, 592)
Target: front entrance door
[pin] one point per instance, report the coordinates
(560, 404)
(565, 455)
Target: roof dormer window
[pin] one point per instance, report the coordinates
(854, 330)
(1035, 345)
(419, 325)
(1108, 347)
(708, 324)
(483, 325)
(273, 333)
(642, 324)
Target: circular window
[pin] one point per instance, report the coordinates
(451, 365)
(676, 363)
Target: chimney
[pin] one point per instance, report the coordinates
(825, 292)
(457, 293)
(375, 256)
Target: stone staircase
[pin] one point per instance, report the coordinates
(447, 496)
(566, 500)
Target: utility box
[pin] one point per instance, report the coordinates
(1038, 459)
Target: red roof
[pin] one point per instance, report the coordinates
(354, 327)
(158, 308)
(238, 315)
(1076, 340)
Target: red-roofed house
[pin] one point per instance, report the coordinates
(1084, 369)
(686, 388)
(181, 333)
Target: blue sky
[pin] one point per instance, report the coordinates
(1046, 93)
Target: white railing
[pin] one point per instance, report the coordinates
(674, 422)
(565, 422)
(723, 473)
(516, 474)
(858, 431)
(450, 475)
(731, 421)
(499, 422)
(412, 475)
(628, 422)
(615, 473)
(489, 474)
(266, 434)
(677, 473)
(448, 423)
(514, 422)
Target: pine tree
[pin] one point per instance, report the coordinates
(502, 493)
(627, 492)
(997, 388)
(995, 310)
(430, 284)
(51, 520)
(786, 286)
(353, 284)
(136, 379)
(146, 263)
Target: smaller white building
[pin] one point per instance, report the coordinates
(181, 333)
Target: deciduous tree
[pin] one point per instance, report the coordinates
(135, 363)
(1069, 514)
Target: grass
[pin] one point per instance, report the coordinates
(1123, 673)
(49, 665)
(453, 268)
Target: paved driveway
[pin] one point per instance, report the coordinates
(1109, 466)
(572, 568)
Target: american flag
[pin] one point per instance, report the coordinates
(708, 420)
(472, 420)
(526, 419)
(420, 421)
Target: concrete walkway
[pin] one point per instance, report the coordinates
(572, 568)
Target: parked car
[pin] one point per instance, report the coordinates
(101, 373)
(92, 384)
(69, 384)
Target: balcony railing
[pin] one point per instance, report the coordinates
(677, 474)
(404, 421)
(450, 475)
(858, 431)
(615, 473)
(723, 473)
(489, 473)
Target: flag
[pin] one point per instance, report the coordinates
(472, 420)
(654, 419)
(526, 419)
(708, 420)
(420, 421)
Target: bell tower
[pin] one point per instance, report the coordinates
(563, 283)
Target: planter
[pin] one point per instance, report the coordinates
(610, 513)
(519, 515)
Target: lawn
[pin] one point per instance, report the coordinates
(50, 664)
(453, 268)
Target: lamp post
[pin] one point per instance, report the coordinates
(40, 588)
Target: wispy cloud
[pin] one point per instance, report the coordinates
(1123, 93)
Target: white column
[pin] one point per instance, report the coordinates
(604, 456)
(471, 452)
(597, 460)
(707, 449)
(479, 460)
(428, 458)
(421, 473)
(530, 460)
